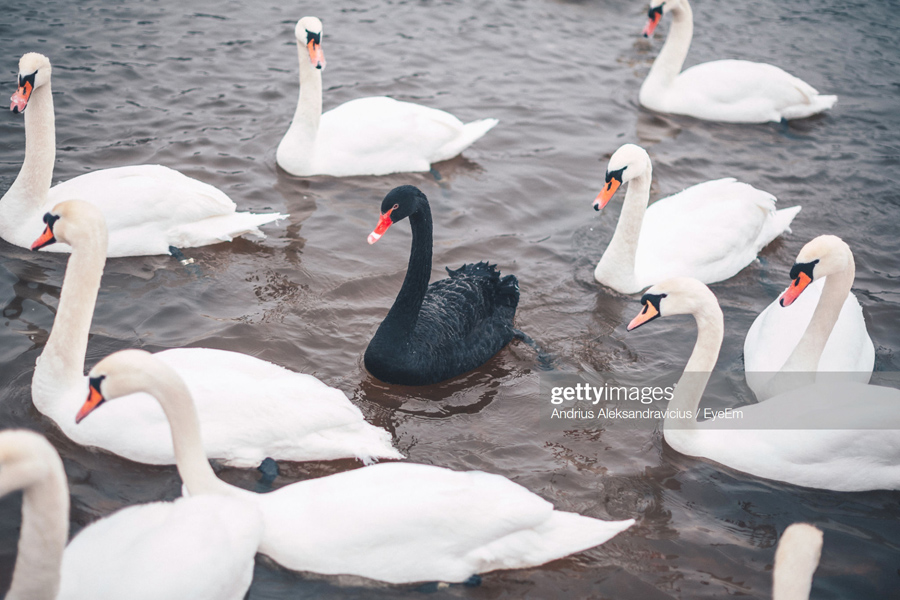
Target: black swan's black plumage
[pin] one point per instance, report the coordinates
(435, 332)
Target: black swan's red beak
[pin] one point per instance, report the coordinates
(383, 223)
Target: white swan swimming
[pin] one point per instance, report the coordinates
(840, 436)
(395, 522)
(367, 136)
(817, 325)
(201, 548)
(796, 559)
(709, 231)
(148, 208)
(736, 91)
(251, 409)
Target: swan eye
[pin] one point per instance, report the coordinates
(617, 175)
(50, 219)
(23, 79)
(395, 207)
(805, 268)
(95, 382)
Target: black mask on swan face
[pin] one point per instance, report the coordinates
(402, 201)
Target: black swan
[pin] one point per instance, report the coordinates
(435, 332)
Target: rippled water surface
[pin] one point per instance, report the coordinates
(209, 88)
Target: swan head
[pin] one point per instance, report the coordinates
(676, 296)
(655, 13)
(34, 71)
(73, 222)
(822, 256)
(796, 559)
(626, 163)
(120, 374)
(309, 34)
(26, 458)
(399, 203)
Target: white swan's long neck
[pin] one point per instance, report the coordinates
(690, 387)
(305, 124)
(796, 560)
(28, 193)
(42, 541)
(60, 368)
(671, 58)
(190, 456)
(617, 262)
(808, 352)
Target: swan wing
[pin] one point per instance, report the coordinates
(199, 548)
(709, 231)
(401, 522)
(742, 91)
(837, 436)
(777, 330)
(150, 207)
(249, 410)
(380, 135)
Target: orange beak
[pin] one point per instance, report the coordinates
(795, 289)
(19, 100)
(647, 314)
(603, 197)
(94, 399)
(655, 15)
(383, 223)
(316, 56)
(45, 240)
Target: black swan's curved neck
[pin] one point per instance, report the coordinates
(402, 317)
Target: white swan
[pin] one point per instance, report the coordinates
(820, 330)
(796, 559)
(251, 409)
(148, 208)
(735, 91)
(395, 522)
(367, 136)
(709, 231)
(200, 548)
(837, 436)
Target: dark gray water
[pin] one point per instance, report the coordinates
(209, 88)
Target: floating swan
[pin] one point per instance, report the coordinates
(148, 208)
(709, 231)
(435, 332)
(796, 559)
(820, 330)
(367, 136)
(395, 522)
(200, 548)
(736, 91)
(840, 436)
(251, 409)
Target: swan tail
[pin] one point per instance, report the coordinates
(372, 444)
(779, 223)
(221, 228)
(817, 104)
(564, 533)
(470, 133)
